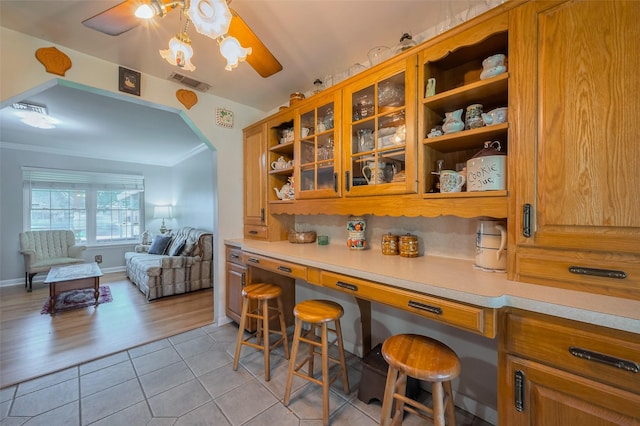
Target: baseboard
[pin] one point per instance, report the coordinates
(40, 277)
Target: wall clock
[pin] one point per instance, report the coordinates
(224, 117)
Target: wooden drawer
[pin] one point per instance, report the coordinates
(256, 232)
(283, 268)
(233, 255)
(581, 271)
(469, 317)
(603, 354)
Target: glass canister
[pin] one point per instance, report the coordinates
(408, 245)
(390, 244)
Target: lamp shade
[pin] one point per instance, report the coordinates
(162, 212)
(232, 51)
(179, 52)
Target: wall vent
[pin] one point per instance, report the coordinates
(189, 82)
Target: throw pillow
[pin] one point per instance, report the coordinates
(159, 244)
(176, 246)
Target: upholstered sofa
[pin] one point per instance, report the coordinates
(185, 264)
(43, 250)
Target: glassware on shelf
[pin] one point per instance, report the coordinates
(406, 42)
(317, 86)
(378, 54)
(362, 107)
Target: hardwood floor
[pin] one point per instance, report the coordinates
(32, 344)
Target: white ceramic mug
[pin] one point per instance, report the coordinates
(491, 245)
(451, 181)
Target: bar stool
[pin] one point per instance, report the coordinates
(262, 293)
(412, 355)
(317, 313)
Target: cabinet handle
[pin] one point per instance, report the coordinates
(526, 220)
(335, 182)
(424, 307)
(253, 232)
(234, 256)
(262, 215)
(606, 273)
(518, 390)
(623, 364)
(243, 279)
(284, 269)
(348, 286)
(253, 260)
(347, 180)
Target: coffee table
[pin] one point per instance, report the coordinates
(72, 277)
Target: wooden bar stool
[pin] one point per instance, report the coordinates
(262, 293)
(412, 355)
(317, 313)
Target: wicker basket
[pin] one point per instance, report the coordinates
(302, 237)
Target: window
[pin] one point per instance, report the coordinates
(97, 207)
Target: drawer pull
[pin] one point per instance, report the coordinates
(234, 256)
(604, 359)
(284, 269)
(606, 273)
(252, 232)
(518, 390)
(424, 307)
(347, 286)
(253, 260)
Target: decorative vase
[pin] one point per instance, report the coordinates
(453, 121)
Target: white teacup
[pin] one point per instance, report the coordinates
(451, 181)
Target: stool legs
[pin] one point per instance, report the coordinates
(262, 333)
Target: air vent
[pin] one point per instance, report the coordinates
(189, 82)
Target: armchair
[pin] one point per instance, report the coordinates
(45, 249)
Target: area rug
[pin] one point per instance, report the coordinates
(76, 299)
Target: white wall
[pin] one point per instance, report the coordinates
(20, 72)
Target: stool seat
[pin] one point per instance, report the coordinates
(261, 291)
(318, 311)
(421, 357)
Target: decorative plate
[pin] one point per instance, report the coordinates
(224, 117)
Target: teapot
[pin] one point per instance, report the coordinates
(495, 116)
(285, 192)
(280, 164)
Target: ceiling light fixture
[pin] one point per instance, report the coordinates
(35, 115)
(210, 18)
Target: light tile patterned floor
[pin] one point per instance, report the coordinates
(186, 380)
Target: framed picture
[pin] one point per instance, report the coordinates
(224, 117)
(129, 81)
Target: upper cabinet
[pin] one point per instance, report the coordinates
(318, 151)
(575, 114)
(379, 133)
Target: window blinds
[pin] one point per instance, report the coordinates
(75, 179)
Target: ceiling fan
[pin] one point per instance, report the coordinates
(122, 18)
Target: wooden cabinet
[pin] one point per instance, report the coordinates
(455, 66)
(237, 277)
(258, 153)
(379, 133)
(318, 147)
(554, 371)
(575, 114)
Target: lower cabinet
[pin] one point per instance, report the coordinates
(236, 278)
(554, 371)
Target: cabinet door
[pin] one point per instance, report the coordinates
(255, 201)
(236, 280)
(379, 141)
(318, 148)
(535, 394)
(574, 93)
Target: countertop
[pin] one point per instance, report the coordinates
(454, 279)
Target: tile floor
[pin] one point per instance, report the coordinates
(187, 379)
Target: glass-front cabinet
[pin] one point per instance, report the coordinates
(318, 150)
(379, 139)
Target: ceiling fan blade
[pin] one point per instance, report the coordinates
(116, 20)
(261, 59)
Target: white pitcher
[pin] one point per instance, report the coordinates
(491, 245)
